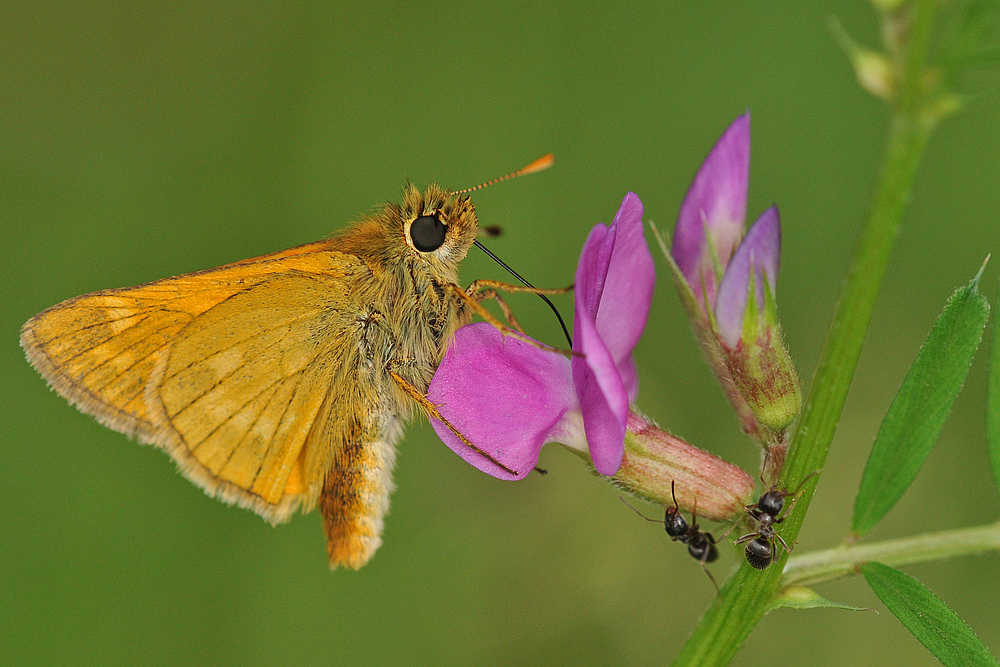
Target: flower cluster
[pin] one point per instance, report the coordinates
(726, 276)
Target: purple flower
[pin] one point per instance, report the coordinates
(727, 279)
(711, 223)
(510, 398)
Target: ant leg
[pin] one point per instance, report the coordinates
(629, 505)
(746, 538)
(729, 530)
(795, 499)
(803, 482)
(710, 576)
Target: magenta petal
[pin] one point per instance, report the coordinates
(592, 269)
(614, 284)
(761, 249)
(628, 290)
(715, 207)
(504, 395)
(603, 397)
(630, 378)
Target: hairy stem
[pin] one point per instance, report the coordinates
(747, 595)
(830, 564)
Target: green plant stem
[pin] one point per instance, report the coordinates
(830, 564)
(747, 595)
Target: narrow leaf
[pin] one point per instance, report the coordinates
(993, 404)
(800, 597)
(925, 615)
(921, 406)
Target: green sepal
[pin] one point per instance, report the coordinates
(801, 597)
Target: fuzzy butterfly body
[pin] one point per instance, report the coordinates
(283, 382)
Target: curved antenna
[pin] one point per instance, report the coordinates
(543, 162)
(527, 284)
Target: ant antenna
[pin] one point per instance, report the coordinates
(543, 162)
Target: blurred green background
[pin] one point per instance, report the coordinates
(142, 140)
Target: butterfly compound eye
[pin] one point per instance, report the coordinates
(427, 233)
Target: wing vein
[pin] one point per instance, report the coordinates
(234, 412)
(64, 361)
(291, 398)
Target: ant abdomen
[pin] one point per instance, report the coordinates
(760, 553)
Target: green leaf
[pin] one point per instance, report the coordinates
(800, 597)
(921, 406)
(927, 617)
(993, 405)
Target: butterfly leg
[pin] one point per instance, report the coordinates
(473, 303)
(507, 312)
(432, 411)
(492, 287)
(480, 285)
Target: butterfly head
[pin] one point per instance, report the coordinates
(437, 225)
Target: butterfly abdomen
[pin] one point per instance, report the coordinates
(355, 497)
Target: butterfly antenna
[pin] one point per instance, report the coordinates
(527, 284)
(543, 162)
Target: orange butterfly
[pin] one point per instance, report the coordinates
(282, 382)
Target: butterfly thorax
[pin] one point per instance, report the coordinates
(407, 312)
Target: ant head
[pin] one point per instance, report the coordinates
(675, 524)
(760, 553)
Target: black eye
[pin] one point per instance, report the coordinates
(427, 233)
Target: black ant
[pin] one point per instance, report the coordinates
(762, 545)
(700, 544)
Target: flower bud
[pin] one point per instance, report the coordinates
(765, 377)
(748, 330)
(727, 282)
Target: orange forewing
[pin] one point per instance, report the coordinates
(193, 364)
